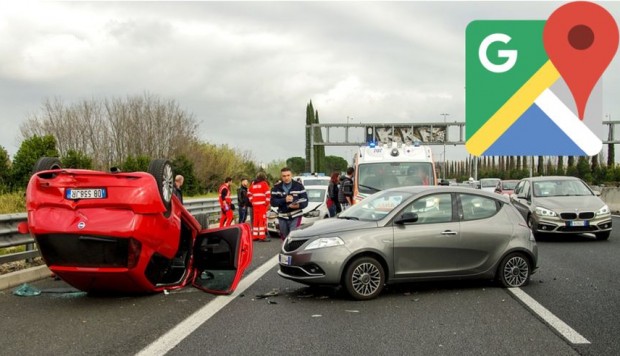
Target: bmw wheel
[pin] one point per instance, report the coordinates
(364, 278)
(514, 270)
(161, 169)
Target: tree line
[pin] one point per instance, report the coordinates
(127, 133)
(516, 167)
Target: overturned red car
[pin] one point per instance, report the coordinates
(127, 232)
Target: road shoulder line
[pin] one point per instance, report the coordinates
(182, 330)
(561, 327)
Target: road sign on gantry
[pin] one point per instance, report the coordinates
(514, 69)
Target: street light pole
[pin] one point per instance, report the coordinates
(445, 136)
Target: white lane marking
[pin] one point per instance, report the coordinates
(175, 335)
(561, 327)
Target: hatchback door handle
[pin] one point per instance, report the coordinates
(448, 232)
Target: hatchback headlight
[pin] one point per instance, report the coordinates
(545, 212)
(325, 242)
(603, 211)
(312, 214)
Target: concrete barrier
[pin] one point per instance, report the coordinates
(611, 197)
(16, 278)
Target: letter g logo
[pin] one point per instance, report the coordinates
(510, 55)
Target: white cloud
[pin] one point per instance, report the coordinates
(247, 70)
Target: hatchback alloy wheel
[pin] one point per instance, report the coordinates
(364, 278)
(161, 170)
(514, 271)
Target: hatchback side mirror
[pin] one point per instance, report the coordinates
(597, 193)
(405, 218)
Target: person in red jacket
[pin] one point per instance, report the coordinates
(259, 194)
(223, 195)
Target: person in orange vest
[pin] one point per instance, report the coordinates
(259, 194)
(223, 195)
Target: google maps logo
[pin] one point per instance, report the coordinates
(513, 72)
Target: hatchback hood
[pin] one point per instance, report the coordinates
(312, 206)
(566, 203)
(333, 225)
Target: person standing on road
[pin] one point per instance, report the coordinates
(178, 183)
(242, 201)
(290, 198)
(332, 193)
(223, 195)
(345, 194)
(259, 194)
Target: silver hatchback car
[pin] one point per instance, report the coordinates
(413, 234)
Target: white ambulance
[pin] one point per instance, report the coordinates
(384, 166)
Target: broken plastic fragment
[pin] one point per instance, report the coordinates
(273, 293)
(26, 290)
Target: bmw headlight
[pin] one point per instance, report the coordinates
(603, 211)
(312, 214)
(325, 242)
(545, 212)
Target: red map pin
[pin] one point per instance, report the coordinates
(581, 39)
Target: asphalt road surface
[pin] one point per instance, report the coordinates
(576, 282)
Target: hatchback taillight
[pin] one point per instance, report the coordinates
(133, 253)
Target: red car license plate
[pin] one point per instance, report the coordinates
(94, 193)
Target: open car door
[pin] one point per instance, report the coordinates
(221, 255)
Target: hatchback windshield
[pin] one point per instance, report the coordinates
(375, 207)
(313, 181)
(509, 185)
(316, 195)
(374, 177)
(489, 183)
(560, 188)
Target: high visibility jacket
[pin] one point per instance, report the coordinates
(223, 195)
(259, 194)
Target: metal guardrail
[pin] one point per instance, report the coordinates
(206, 211)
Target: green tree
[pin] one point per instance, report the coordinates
(583, 168)
(309, 121)
(273, 170)
(5, 170)
(560, 169)
(136, 164)
(312, 117)
(296, 164)
(28, 154)
(540, 166)
(76, 159)
(335, 163)
(183, 166)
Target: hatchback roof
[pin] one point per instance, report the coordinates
(445, 189)
(541, 178)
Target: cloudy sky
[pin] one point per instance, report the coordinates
(246, 70)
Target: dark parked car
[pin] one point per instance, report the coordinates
(413, 234)
(562, 205)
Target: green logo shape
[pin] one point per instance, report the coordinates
(487, 91)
